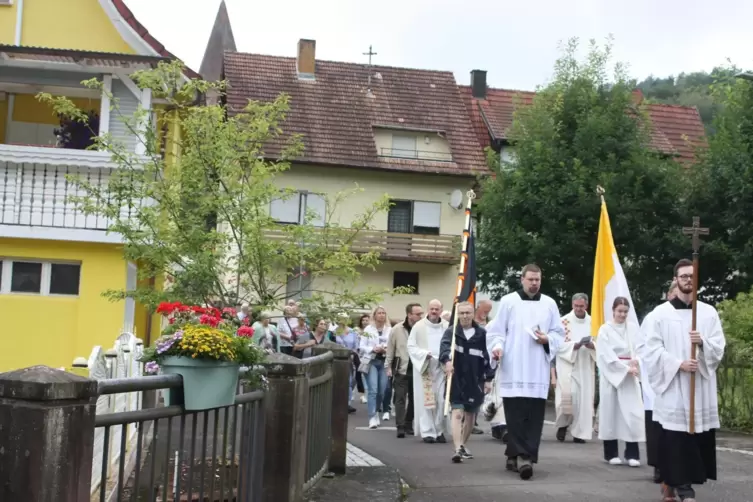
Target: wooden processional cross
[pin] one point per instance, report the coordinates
(696, 231)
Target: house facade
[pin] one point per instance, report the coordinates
(56, 262)
(396, 131)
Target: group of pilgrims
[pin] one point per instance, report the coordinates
(630, 383)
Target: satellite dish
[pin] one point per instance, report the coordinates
(456, 199)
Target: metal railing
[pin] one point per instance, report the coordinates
(319, 445)
(399, 153)
(179, 455)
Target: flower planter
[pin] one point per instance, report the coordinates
(206, 384)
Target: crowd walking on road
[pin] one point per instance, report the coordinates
(621, 382)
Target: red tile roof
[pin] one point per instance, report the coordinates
(134, 23)
(337, 119)
(677, 130)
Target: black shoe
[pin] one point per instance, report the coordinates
(400, 432)
(409, 431)
(657, 475)
(497, 431)
(579, 441)
(441, 439)
(457, 457)
(351, 409)
(429, 440)
(476, 430)
(561, 434)
(525, 469)
(465, 453)
(504, 437)
(512, 464)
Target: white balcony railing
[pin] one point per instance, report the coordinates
(35, 188)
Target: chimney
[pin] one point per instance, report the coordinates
(637, 97)
(478, 84)
(306, 60)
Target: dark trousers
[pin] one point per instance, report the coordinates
(403, 387)
(359, 375)
(611, 450)
(386, 404)
(525, 422)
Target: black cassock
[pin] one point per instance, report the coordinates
(525, 422)
(686, 459)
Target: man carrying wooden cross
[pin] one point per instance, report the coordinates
(684, 345)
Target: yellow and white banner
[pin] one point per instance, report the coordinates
(609, 279)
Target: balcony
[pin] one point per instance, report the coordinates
(403, 247)
(398, 153)
(35, 191)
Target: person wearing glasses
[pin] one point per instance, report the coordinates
(685, 457)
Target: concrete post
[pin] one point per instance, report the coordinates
(46, 435)
(341, 369)
(286, 424)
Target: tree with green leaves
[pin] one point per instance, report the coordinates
(581, 131)
(722, 194)
(194, 208)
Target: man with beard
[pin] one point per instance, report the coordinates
(685, 457)
(524, 337)
(400, 369)
(428, 375)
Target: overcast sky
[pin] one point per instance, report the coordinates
(516, 42)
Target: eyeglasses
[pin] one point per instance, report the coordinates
(685, 277)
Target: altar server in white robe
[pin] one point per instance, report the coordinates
(524, 337)
(684, 459)
(576, 357)
(428, 374)
(621, 416)
(652, 428)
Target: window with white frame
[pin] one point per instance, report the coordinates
(295, 208)
(414, 217)
(36, 277)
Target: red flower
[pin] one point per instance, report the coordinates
(230, 311)
(245, 331)
(168, 307)
(199, 310)
(209, 320)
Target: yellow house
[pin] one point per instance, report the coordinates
(397, 131)
(54, 261)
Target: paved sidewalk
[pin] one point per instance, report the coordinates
(567, 472)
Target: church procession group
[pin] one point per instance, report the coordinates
(616, 379)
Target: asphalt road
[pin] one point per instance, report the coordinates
(566, 472)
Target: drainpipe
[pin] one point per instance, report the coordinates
(19, 21)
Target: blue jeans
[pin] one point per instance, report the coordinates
(377, 385)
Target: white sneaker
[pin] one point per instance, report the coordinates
(374, 422)
(364, 400)
(386, 416)
(615, 461)
(634, 463)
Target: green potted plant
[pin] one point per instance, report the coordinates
(206, 347)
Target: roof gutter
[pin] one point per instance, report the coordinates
(19, 21)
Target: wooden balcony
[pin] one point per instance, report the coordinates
(403, 247)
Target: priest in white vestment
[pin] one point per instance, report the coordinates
(685, 459)
(576, 357)
(523, 338)
(428, 374)
(621, 416)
